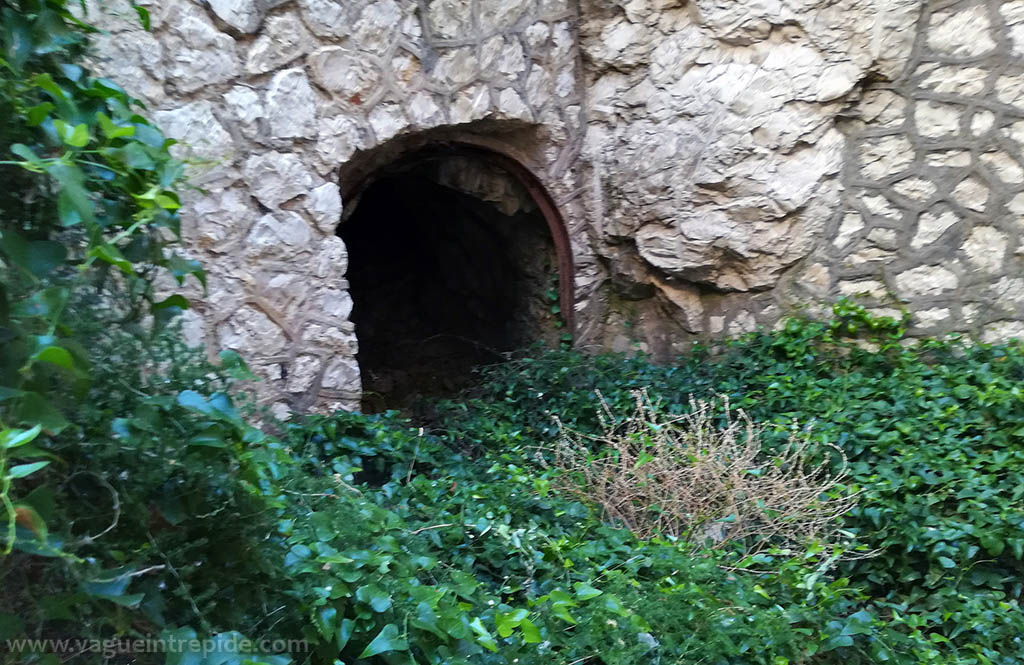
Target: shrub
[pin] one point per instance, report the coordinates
(684, 477)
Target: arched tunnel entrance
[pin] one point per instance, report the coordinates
(456, 259)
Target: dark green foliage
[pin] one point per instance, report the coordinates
(933, 433)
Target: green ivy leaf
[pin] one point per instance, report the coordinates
(22, 470)
(13, 438)
(388, 639)
(375, 597)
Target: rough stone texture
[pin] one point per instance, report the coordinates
(270, 99)
(717, 163)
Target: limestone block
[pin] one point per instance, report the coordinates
(135, 60)
(276, 177)
(851, 225)
(324, 205)
(961, 31)
(950, 158)
(981, 122)
(883, 108)
(985, 248)
(333, 303)
(424, 110)
(377, 26)
(326, 18)
(406, 71)
(885, 156)
(279, 235)
(451, 19)
(353, 75)
(388, 120)
(303, 373)
(864, 287)
(283, 39)
(936, 119)
(1003, 166)
(932, 225)
(218, 220)
(252, 333)
(202, 139)
(342, 374)
(242, 15)
(1001, 331)
(930, 318)
(245, 105)
(915, 188)
(511, 106)
(972, 193)
(291, 105)
(331, 258)
(537, 36)
(337, 140)
(471, 103)
(197, 54)
(500, 16)
(330, 337)
(285, 292)
(455, 67)
(926, 281)
(1013, 15)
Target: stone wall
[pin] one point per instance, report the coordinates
(271, 98)
(745, 160)
(717, 163)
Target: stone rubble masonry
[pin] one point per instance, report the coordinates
(719, 164)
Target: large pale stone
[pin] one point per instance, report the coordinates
(246, 105)
(303, 373)
(324, 205)
(203, 140)
(885, 156)
(282, 40)
(985, 248)
(498, 16)
(279, 235)
(342, 374)
(242, 15)
(935, 119)
(424, 110)
(455, 67)
(326, 18)
(377, 26)
(198, 54)
(972, 193)
(291, 105)
(512, 106)
(926, 281)
(1013, 14)
(1002, 331)
(387, 121)
(331, 258)
(451, 19)
(276, 177)
(218, 220)
(352, 75)
(252, 333)
(471, 103)
(962, 31)
(1004, 167)
(932, 225)
(338, 139)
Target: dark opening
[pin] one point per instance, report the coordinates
(451, 266)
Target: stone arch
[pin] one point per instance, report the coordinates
(453, 165)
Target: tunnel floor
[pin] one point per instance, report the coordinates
(443, 282)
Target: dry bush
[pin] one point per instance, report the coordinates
(683, 476)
